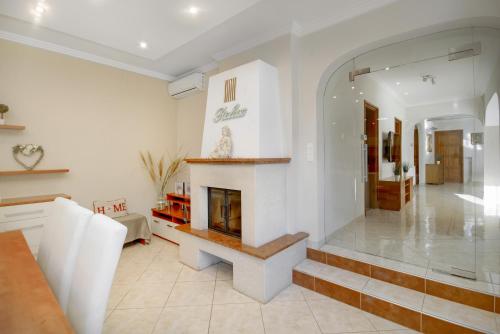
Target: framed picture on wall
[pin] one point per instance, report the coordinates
(179, 187)
(428, 140)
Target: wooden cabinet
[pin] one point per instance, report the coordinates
(393, 195)
(434, 173)
(164, 221)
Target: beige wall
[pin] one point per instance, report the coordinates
(70, 98)
(90, 118)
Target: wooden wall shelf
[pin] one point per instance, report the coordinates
(238, 161)
(11, 127)
(32, 172)
(31, 199)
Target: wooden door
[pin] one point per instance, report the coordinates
(372, 142)
(398, 130)
(450, 151)
(416, 155)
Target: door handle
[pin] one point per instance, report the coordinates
(364, 161)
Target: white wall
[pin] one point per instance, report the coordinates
(492, 146)
(473, 157)
(306, 63)
(90, 118)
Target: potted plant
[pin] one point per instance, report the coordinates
(3, 110)
(397, 171)
(406, 168)
(160, 176)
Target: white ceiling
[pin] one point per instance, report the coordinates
(109, 31)
(454, 80)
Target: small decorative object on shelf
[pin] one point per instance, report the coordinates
(179, 188)
(406, 168)
(28, 151)
(397, 171)
(224, 148)
(3, 110)
(161, 177)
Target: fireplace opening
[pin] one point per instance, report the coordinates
(224, 211)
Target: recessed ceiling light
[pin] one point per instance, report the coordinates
(353, 87)
(334, 96)
(387, 68)
(398, 83)
(455, 105)
(193, 10)
(361, 93)
(405, 93)
(143, 45)
(356, 101)
(39, 9)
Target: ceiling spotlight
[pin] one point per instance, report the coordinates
(387, 68)
(353, 87)
(193, 10)
(356, 101)
(361, 93)
(429, 77)
(40, 8)
(405, 93)
(398, 83)
(334, 96)
(143, 45)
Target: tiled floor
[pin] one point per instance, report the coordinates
(444, 226)
(154, 293)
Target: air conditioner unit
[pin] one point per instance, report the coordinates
(187, 85)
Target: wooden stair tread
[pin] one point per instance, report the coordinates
(437, 308)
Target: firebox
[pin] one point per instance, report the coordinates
(224, 211)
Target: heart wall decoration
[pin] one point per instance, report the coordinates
(28, 151)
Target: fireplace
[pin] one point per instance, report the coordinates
(224, 211)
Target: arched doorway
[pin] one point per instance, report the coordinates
(423, 89)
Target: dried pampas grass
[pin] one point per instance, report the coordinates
(157, 172)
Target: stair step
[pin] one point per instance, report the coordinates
(407, 307)
(482, 295)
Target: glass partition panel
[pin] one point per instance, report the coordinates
(412, 167)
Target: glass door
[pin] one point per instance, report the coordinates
(429, 89)
(224, 211)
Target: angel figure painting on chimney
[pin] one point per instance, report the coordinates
(224, 148)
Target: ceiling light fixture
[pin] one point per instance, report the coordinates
(353, 87)
(334, 96)
(405, 93)
(387, 68)
(361, 93)
(357, 101)
(193, 10)
(143, 45)
(39, 10)
(398, 83)
(430, 77)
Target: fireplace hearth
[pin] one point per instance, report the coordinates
(224, 211)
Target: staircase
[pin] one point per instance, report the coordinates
(424, 301)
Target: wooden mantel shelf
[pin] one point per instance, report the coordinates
(263, 252)
(11, 127)
(238, 161)
(32, 172)
(31, 199)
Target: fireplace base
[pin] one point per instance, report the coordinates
(258, 272)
